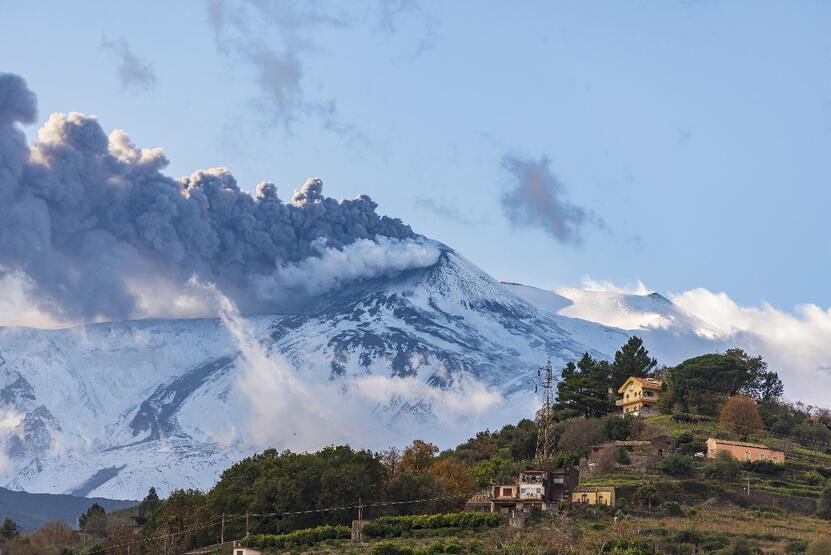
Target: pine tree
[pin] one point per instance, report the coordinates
(9, 529)
(631, 360)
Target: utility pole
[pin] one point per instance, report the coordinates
(246, 525)
(222, 530)
(545, 423)
(360, 509)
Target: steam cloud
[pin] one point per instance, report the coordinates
(91, 229)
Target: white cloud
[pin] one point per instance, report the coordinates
(796, 344)
(590, 284)
(16, 308)
(362, 259)
(10, 421)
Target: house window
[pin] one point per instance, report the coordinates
(506, 492)
(585, 498)
(240, 552)
(747, 455)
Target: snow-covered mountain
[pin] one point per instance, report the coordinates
(111, 409)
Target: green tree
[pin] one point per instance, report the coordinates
(150, 503)
(483, 472)
(584, 387)
(94, 520)
(181, 518)
(631, 360)
(9, 529)
(699, 385)
(274, 482)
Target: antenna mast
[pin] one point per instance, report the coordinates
(545, 420)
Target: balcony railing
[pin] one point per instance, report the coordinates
(621, 402)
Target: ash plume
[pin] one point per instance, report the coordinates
(98, 232)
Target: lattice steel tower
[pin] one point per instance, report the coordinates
(545, 420)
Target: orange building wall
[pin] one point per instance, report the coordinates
(740, 452)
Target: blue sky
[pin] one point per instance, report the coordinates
(693, 136)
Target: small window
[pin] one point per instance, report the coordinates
(240, 552)
(506, 492)
(747, 455)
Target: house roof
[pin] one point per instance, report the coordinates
(481, 498)
(586, 489)
(741, 444)
(646, 383)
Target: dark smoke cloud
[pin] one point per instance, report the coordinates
(133, 72)
(537, 198)
(95, 226)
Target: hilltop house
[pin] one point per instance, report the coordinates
(640, 395)
(743, 451)
(534, 489)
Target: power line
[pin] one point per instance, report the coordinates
(233, 518)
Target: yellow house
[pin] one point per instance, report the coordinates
(600, 495)
(640, 395)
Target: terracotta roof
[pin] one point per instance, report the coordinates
(586, 489)
(649, 383)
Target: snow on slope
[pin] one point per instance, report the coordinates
(111, 409)
(628, 311)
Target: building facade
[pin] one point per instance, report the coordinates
(640, 396)
(742, 451)
(600, 495)
(534, 489)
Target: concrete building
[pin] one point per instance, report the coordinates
(600, 495)
(534, 489)
(742, 451)
(640, 396)
(240, 550)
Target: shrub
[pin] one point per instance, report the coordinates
(629, 546)
(742, 546)
(673, 509)
(794, 546)
(677, 465)
(623, 455)
(764, 467)
(820, 546)
(646, 496)
(307, 536)
(390, 548)
(813, 477)
(392, 526)
(824, 503)
(707, 541)
(723, 467)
